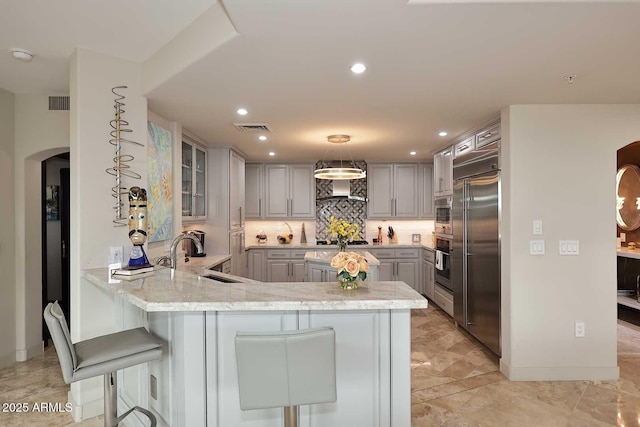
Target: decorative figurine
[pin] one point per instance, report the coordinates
(138, 227)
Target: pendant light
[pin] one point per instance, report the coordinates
(340, 171)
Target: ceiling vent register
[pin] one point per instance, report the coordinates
(252, 127)
(59, 103)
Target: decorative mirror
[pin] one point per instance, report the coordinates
(628, 197)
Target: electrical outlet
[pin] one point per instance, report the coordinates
(580, 329)
(537, 227)
(153, 387)
(116, 254)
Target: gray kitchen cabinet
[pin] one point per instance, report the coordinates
(443, 173)
(236, 191)
(392, 190)
(320, 272)
(194, 179)
(285, 265)
(257, 264)
(254, 190)
(428, 279)
(399, 264)
(426, 190)
(289, 191)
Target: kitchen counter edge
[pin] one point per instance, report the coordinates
(166, 290)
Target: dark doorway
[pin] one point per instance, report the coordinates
(55, 235)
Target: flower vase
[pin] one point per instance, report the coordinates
(342, 246)
(348, 285)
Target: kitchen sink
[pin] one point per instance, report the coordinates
(221, 278)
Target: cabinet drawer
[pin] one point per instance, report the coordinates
(488, 136)
(383, 253)
(444, 299)
(278, 254)
(407, 253)
(464, 147)
(298, 253)
(428, 255)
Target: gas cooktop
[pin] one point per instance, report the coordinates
(335, 242)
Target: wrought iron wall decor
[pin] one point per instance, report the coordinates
(121, 168)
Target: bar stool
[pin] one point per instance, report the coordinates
(286, 369)
(103, 355)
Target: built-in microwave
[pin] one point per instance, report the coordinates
(443, 216)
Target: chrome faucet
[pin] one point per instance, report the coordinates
(174, 245)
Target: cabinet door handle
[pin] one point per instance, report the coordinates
(260, 207)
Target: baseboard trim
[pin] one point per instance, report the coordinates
(560, 373)
(86, 411)
(26, 354)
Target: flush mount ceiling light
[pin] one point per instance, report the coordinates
(271, 153)
(412, 153)
(443, 133)
(358, 68)
(339, 171)
(262, 138)
(22, 54)
(242, 111)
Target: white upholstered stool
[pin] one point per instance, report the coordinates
(103, 355)
(286, 369)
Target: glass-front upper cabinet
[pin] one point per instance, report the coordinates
(194, 178)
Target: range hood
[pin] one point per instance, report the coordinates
(341, 190)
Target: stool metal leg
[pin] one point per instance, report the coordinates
(110, 399)
(111, 418)
(290, 416)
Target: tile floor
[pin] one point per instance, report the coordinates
(455, 382)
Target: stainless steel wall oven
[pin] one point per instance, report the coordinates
(443, 263)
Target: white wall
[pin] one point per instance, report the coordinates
(39, 134)
(559, 165)
(92, 76)
(7, 232)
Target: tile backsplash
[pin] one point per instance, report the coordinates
(403, 228)
(353, 211)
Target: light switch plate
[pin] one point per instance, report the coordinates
(537, 227)
(536, 247)
(569, 247)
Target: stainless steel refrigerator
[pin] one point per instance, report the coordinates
(475, 265)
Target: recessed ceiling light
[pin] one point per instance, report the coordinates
(358, 68)
(443, 133)
(413, 153)
(262, 138)
(271, 153)
(242, 111)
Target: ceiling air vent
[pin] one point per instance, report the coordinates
(252, 127)
(58, 103)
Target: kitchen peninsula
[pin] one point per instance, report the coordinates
(198, 319)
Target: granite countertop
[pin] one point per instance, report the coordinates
(175, 290)
(628, 252)
(325, 256)
(370, 246)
